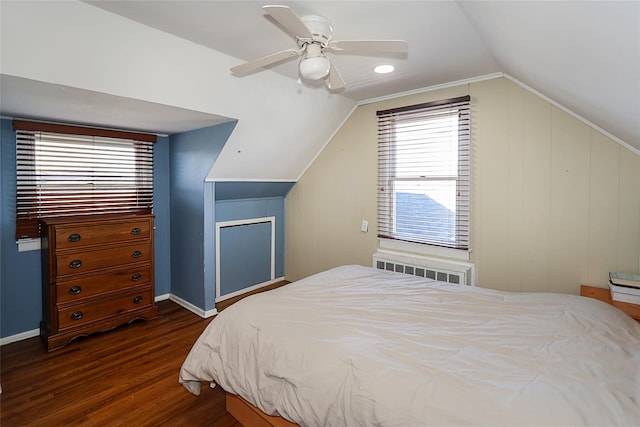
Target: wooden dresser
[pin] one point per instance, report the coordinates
(97, 274)
(604, 294)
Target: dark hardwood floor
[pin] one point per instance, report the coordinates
(125, 377)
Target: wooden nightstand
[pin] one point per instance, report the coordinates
(604, 295)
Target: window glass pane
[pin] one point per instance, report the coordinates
(426, 210)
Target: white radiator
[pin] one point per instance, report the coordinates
(444, 270)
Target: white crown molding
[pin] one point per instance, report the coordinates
(519, 83)
(432, 88)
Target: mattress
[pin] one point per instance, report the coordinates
(357, 346)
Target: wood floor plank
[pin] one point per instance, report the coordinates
(128, 376)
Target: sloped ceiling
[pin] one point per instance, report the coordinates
(174, 59)
(443, 45)
(585, 55)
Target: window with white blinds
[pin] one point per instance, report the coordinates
(424, 173)
(68, 170)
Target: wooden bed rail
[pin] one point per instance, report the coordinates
(250, 416)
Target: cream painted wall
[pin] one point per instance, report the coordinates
(555, 203)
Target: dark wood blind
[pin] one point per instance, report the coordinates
(424, 173)
(64, 170)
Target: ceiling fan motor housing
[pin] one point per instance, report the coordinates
(320, 27)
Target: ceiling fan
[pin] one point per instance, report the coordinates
(313, 38)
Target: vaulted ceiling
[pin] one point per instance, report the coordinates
(584, 55)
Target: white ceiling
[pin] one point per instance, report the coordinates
(25, 98)
(443, 45)
(584, 55)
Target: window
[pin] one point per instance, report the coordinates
(67, 170)
(424, 173)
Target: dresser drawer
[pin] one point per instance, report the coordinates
(88, 260)
(72, 290)
(97, 274)
(78, 235)
(101, 308)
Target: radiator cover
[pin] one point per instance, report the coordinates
(441, 269)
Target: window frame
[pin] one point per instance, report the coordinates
(29, 197)
(389, 121)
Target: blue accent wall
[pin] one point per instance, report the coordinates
(231, 210)
(20, 278)
(192, 216)
(209, 246)
(235, 190)
(162, 211)
(20, 290)
(2, 215)
(245, 256)
(246, 246)
(186, 209)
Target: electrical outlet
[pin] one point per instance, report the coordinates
(365, 226)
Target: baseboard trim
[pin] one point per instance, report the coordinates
(192, 308)
(162, 297)
(182, 303)
(19, 337)
(248, 290)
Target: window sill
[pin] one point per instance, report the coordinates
(29, 244)
(424, 249)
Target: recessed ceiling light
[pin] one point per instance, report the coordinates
(384, 69)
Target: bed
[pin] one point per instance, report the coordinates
(357, 346)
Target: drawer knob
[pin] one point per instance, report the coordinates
(135, 231)
(76, 263)
(75, 290)
(137, 299)
(136, 254)
(75, 237)
(77, 315)
(136, 277)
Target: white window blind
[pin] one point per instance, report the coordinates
(67, 170)
(424, 173)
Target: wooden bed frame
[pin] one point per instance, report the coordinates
(250, 416)
(243, 411)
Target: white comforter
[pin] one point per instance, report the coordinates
(356, 346)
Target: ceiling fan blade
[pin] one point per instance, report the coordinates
(334, 80)
(289, 20)
(249, 67)
(369, 46)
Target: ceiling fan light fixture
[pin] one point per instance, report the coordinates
(384, 69)
(313, 35)
(315, 68)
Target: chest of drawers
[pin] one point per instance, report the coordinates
(97, 274)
